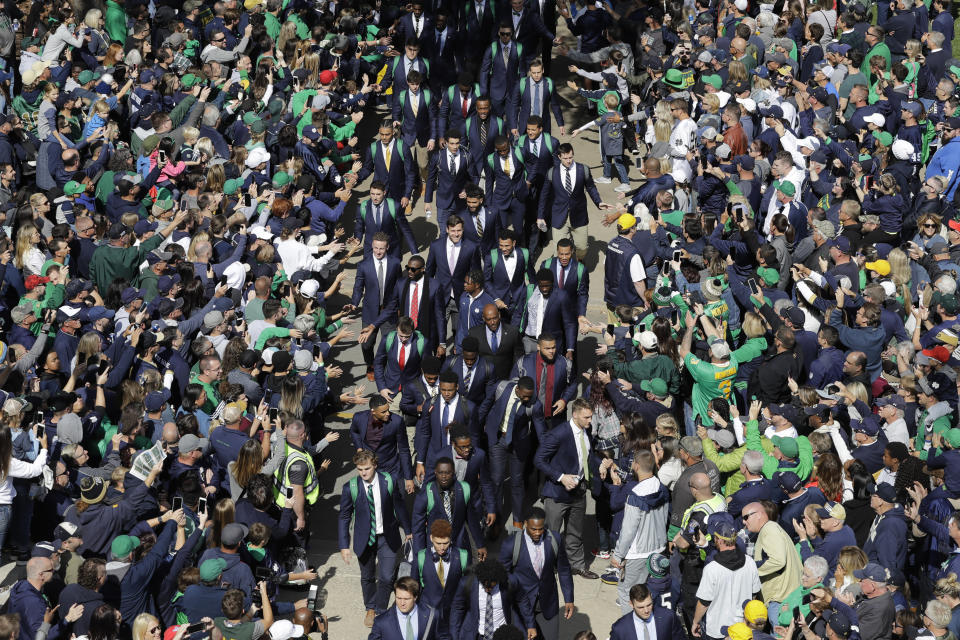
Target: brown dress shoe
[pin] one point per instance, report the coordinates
(370, 375)
(368, 620)
(586, 573)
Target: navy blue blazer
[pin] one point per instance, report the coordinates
(479, 152)
(420, 128)
(576, 281)
(499, 284)
(537, 165)
(432, 594)
(559, 317)
(556, 205)
(470, 314)
(532, 589)
(524, 427)
(751, 491)
(529, 31)
(465, 613)
(491, 228)
(527, 366)
(463, 514)
(366, 287)
(393, 452)
(412, 396)
(476, 34)
(480, 382)
(451, 280)
(451, 109)
(431, 436)
(666, 622)
(496, 80)
(386, 626)
(447, 186)
(521, 104)
(399, 178)
(477, 476)
(386, 364)
(431, 308)
(501, 189)
(396, 75)
(394, 515)
(406, 31)
(509, 350)
(558, 454)
(394, 225)
(444, 56)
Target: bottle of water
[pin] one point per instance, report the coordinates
(15, 26)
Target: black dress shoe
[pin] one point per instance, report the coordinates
(586, 573)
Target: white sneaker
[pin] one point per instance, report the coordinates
(623, 188)
(602, 180)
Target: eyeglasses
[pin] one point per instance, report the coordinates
(927, 225)
(218, 40)
(747, 515)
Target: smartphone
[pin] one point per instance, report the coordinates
(675, 316)
(104, 365)
(246, 200)
(289, 493)
(195, 627)
(610, 329)
(223, 281)
(201, 505)
(177, 503)
(273, 413)
(263, 573)
(676, 255)
(40, 430)
(161, 156)
(316, 350)
(38, 417)
(754, 287)
(312, 597)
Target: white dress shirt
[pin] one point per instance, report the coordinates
(572, 172)
(508, 169)
(455, 157)
(511, 406)
(498, 618)
(535, 308)
(376, 500)
(639, 623)
(405, 350)
(510, 264)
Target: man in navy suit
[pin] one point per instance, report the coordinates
(570, 275)
(398, 360)
(421, 299)
(499, 342)
(417, 394)
(442, 49)
(401, 66)
(501, 68)
(439, 570)
(380, 213)
(470, 308)
(535, 96)
(447, 174)
(477, 23)
(474, 374)
(481, 129)
(536, 561)
(544, 309)
(449, 261)
(513, 423)
(528, 29)
(506, 184)
(406, 619)
(383, 433)
(445, 498)
(665, 622)
(470, 466)
(415, 113)
(373, 501)
(563, 203)
(484, 603)
(390, 162)
(480, 223)
(376, 279)
(433, 427)
(507, 270)
(565, 459)
(413, 25)
(537, 149)
(552, 377)
(458, 103)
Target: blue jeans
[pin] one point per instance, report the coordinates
(6, 511)
(773, 612)
(616, 161)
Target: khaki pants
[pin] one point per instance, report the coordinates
(420, 158)
(577, 235)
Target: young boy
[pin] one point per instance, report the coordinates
(611, 141)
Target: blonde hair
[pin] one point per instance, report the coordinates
(661, 132)
(205, 146)
(753, 325)
(92, 18)
(191, 135)
(215, 178)
(737, 72)
(142, 624)
(711, 103)
(24, 241)
(851, 559)
(200, 236)
(89, 345)
(666, 425)
(287, 32)
(101, 107)
(311, 62)
(912, 49)
(859, 391)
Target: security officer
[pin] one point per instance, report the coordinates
(296, 484)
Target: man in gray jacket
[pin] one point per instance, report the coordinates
(644, 529)
(876, 611)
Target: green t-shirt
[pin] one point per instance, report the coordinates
(710, 381)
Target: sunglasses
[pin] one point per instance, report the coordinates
(929, 226)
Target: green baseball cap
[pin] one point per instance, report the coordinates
(952, 436)
(258, 127)
(164, 204)
(88, 76)
(787, 446)
(123, 546)
(73, 188)
(189, 81)
(231, 186)
(787, 188)
(282, 179)
(212, 568)
(150, 143)
(249, 118)
(713, 80)
(769, 275)
(884, 137)
(955, 70)
(656, 386)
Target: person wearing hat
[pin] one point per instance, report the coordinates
(643, 528)
(135, 577)
(885, 545)
(779, 565)
(876, 610)
(948, 155)
(837, 534)
(645, 612)
(933, 416)
(235, 571)
(624, 274)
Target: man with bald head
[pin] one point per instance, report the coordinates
(704, 500)
(28, 601)
(254, 308)
(774, 552)
(499, 342)
(646, 194)
(314, 623)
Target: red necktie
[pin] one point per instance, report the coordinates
(548, 393)
(466, 106)
(414, 305)
(561, 277)
(402, 357)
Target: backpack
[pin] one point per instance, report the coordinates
(396, 61)
(516, 156)
(392, 336)
(493, 51)
(450, 90)
(403, 99)
(517, 539)
(422, 555)
(373, 147)
(547, 142)
(523, 86)
(495, 257)
(463, 485)
(391, 206)
(548, 264)
(355, 486)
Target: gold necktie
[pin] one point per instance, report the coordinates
(440, 572)
(386, 158)
(506, 165)
(415, 105)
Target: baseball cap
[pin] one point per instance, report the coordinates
(787, 188)
(626, 221)
(144, 226)
(191, 442)
(233, 533)
(838, 47)
(788, 481)
(34, 281)
(212, 319)
(303, 360)
(754, 611)
(885, 492)
(156, 399)
(841, 244)
(249, 359)
(880, 266)
(873, 572)
(21, 311)
(123, 546)
(327, 76)
(938, 352)
(65, 531)
(895, 399)
(738, 631)
(212, 568)
(285, 630)
(117, 229)
(130, 294)
(744, 162)
(311, 132)
(692, 445)
(788, 446)
(832, 510)
(656, 386)
(787, 411)
(648, 340)
(165, 283)
(868, 425)
(722, 437)
(839, 623)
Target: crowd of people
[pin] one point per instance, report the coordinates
(764, 425)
